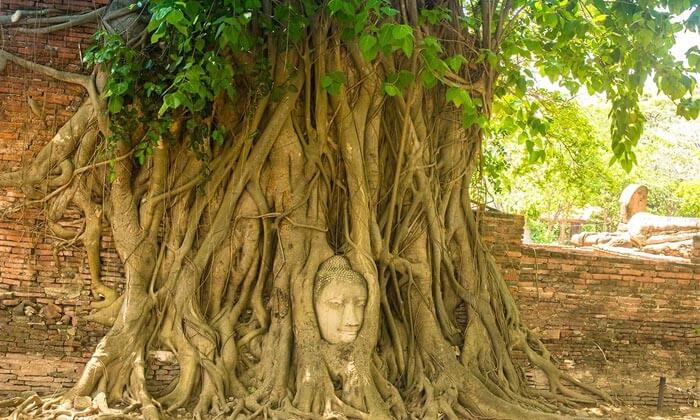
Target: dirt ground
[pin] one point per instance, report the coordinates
(625, 412)
(602, 412)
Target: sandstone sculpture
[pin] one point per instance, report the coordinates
(340, 295)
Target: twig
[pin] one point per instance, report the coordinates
(601, 350)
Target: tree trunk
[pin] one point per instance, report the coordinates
(224, 249)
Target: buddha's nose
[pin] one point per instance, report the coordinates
(350, 317)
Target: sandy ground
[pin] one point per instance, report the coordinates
(644, 412)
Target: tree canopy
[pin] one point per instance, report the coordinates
(604, 47)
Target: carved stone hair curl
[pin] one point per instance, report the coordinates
(336, 268)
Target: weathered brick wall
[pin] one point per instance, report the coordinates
(21, 134)
(584, 300)
(624, 321)
(44, 291)
(503, 235)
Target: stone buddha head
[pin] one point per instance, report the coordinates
(340, 296)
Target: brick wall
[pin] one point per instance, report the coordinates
(503, 234)
(44, 290)
(580, 298)
(619, 321)
(22, 134)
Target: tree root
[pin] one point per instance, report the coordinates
(220, 268)
(65, 408)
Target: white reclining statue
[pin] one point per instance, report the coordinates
(645, 231)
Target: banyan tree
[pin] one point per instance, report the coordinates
(289, 187)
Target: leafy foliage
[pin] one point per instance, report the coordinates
(689, 195)
(668, 151)
(179, 74)
(610, 48)
(552, 173)
(574, 173)
(606, 47)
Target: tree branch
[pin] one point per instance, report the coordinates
(64, 76)
(64, 22)
(18, 15)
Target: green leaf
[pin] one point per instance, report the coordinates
(551, 19)
(626, 164)
(368, 46)
(457, 96)
(218, 136)
(158, 34)
(407, 46)
(618, 149)
(401, 31)
(491, 58)
(434, 16)
(115, 104)
(172, 101)
(138, 154)
(678, 6)
(389, 11)
(332, 82)
(119, 88)
(112, 173)
(688, 108)
(599, 18)
(402, 37)
(390, 89)
(392, 37)
(404, 79)
(455, 62)
(431, 45)
(174, 17)
(428, 79)
(693, 57)
(341, 6)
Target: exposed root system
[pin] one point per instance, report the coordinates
(220, 268)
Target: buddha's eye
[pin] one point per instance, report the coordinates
(335, 303)
(361, 303)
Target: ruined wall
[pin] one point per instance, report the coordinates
(22, 134)
(44, 292)
(503, 235)
(582, 301)
(619, 321)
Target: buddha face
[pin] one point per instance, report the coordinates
(340, 310)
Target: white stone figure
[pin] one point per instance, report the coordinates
(647, 232)
(340, 296)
